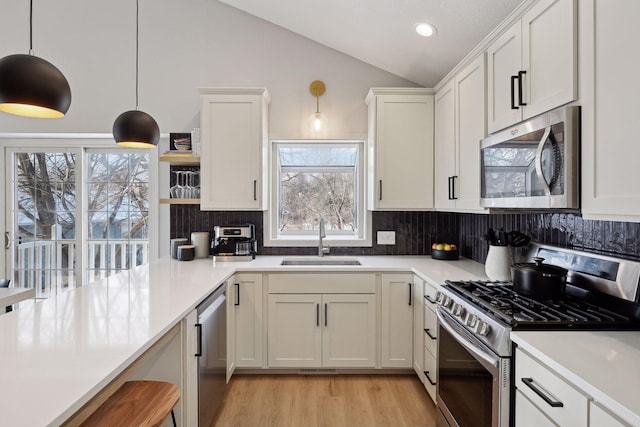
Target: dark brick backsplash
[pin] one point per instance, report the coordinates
(415, 231)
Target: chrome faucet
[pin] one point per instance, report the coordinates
(322, 250)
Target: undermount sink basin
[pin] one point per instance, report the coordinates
(320, 261)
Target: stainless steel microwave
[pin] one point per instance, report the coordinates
(534, 164)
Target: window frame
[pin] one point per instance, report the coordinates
(272, 238)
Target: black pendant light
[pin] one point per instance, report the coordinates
(31, 86)
(135, 128)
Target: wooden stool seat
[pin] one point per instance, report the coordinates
(136, 403)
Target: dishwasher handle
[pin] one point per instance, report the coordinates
(199, 340)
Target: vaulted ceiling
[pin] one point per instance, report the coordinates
(382, 32)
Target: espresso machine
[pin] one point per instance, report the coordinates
(234, 243)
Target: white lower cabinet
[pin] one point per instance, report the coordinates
(246, 294)
(190, 369)
(397, 320)
(329, 330)
(546, 395)
(295, 335)
(600, 417)
(528, 415)
(430, 334)
(418, 327)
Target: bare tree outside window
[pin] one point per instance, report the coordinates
(317, 180)
(46, 218)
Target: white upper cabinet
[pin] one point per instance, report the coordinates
(444, 147)
(610, 125)
(233, 124)
(532, 67)
(459, 126)
(400, 149)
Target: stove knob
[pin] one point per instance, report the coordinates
(457, 310)
(439, 297)
(471, 321)
(446, 301)
(482, 328)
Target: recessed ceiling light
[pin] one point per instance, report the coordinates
(425, 30)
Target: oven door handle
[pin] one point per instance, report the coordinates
(486, 357)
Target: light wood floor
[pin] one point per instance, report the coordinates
(326, 400)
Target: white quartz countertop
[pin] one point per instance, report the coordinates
(55, 355)
(603, 364)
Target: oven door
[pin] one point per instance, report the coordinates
(473, 382)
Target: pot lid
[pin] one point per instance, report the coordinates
(540, 268)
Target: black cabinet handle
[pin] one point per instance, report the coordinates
(199, 340)
(521, 75)
(380, 190)
(554, 403)
(325, 313)
(453, 187)
(255, 189)
(318, 315)
(428, 298)
(449, 179)
(429, 334)
(409, 293)
(426, 374)
(513, 94)
(237, 294)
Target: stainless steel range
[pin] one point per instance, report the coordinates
(475, 320)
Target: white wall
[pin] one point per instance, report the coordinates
(184, 44)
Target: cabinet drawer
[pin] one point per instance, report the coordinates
(430, 292)
(430, 330)
(430, 374)
(562, 403)
(322, 283)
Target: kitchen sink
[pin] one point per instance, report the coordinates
(320, 261)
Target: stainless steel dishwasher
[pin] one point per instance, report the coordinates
(212, 355)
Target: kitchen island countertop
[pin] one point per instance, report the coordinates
(58, 353)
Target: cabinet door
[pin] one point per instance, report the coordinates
(349, 331)
(190, 367)
(397, 321)
(229, 335)
(610, 172)
(418, 326)
(599, 417)
(549, 56)
(444, 146)
(295, 332)
(247, 297)
(528, 415)
(403, 152)
(504, 61)
(233, 140)
(471, 107)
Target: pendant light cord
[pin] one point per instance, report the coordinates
(137, 42)
(31, 27)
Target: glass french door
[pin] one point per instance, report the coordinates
(74, 215)
(42, 210)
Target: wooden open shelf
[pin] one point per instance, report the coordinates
(180, 201)
(180, 160)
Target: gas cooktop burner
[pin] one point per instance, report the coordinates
(521, 312)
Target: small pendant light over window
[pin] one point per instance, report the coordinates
(135, 128)
(31, 86)
(317, 89)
